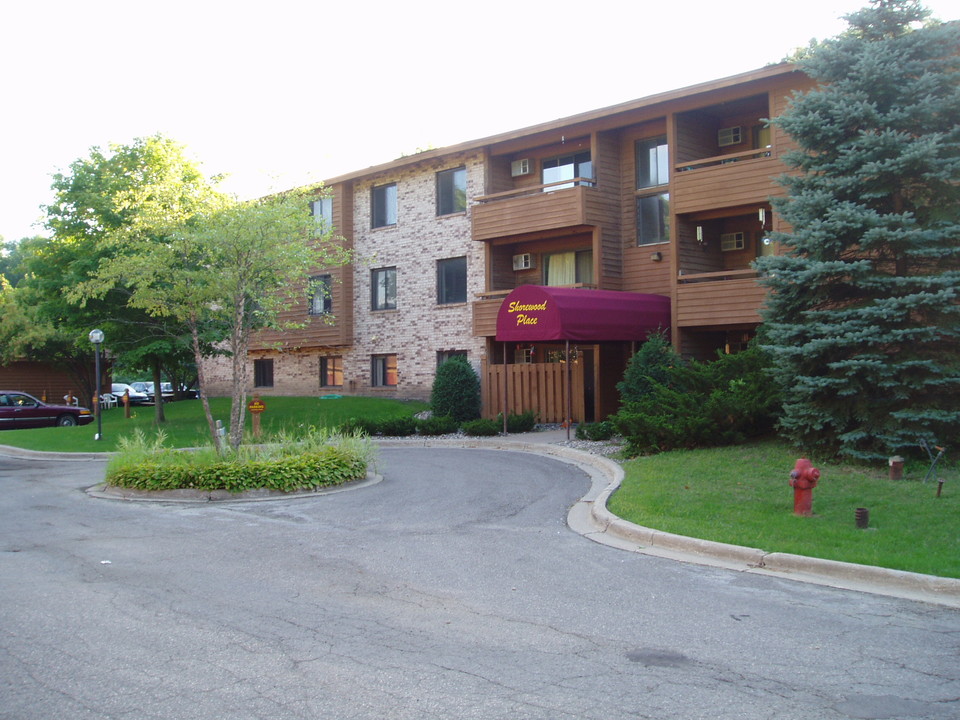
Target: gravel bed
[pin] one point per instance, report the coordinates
(607, 448)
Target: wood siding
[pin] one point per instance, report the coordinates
(319, 331)
(608, 249)
(51, 383)
(696, 137)
(640, 273)
(485, 317)
(536, 212)
(744, 182)
(719, 303)
(644, 275)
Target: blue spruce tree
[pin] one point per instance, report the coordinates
(863, 319)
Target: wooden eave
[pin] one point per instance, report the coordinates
(607, 118)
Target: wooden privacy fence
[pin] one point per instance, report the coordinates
(540, 387)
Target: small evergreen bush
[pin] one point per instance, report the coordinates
(603, 430)
(437, 425)
(456, 390)
(481, 428)
(396, 427)
(354, 426)
(524, 422)
(703, 404)
(649, 366)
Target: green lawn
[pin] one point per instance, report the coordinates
(187, 427)
(741, 495)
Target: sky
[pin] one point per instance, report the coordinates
(281, 93)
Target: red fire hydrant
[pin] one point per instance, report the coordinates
(803, 479)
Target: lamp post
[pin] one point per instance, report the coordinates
(96, 337)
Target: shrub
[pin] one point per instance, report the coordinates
(481, 428)
(437, 425)
(354, 426)
(649, 366)
(396, 427)
(603, 430)
(521, 423)
(456, 390)
(317, 461)
(702, 404)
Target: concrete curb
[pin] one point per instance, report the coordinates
(590, 517)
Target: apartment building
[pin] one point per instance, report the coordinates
(545, 255)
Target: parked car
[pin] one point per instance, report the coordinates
(143, 387)
(147, 389)
(22, 410)
(136, 397)
(189, 392)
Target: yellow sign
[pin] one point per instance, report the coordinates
(521, 309)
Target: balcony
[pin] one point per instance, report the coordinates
(485, 312)
(730, 297)
(742, 178)
(537, 208)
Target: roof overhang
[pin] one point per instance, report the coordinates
(576, 123)
(537, 313)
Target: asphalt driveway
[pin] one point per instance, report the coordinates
(452, 589)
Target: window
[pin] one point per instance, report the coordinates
(383, 289)
(444, 355)
(263, 372)
(653, 162)
(451, 191)
(566, 167)
(384, 205)
(568, 268)
(322, 210)
(320, 295)
(331, 371)
(653, 219)
(383, 370)
(452, 281)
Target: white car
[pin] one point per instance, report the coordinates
(136, 398)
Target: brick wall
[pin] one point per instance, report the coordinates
(419, 328)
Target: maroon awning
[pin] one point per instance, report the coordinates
(537, 313)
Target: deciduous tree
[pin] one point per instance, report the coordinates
(230, 270)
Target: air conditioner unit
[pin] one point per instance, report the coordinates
(524, 261)
(732, 241)
(521, 167)
(729, 136)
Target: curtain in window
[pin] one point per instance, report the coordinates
(562, 269)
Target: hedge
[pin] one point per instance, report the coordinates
(310, 470)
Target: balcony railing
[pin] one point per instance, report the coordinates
(536, 189)
(754, 154)
(717, 275)
(726, 297)
(722, 181)
(574, 203)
